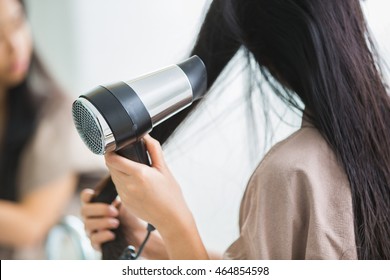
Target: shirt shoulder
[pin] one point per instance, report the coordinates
(298, 203)
(303, 151)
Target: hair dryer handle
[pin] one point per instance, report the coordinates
(106, 191)
(136, 152)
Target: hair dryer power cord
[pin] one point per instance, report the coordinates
(129, 252)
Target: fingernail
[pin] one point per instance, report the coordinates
(113, 210)
(114, 222)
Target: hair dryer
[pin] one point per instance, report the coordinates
(115, 117)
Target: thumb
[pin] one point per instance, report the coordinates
(86, 195)
(155, 152)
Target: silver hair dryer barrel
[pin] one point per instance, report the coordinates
(115, 116)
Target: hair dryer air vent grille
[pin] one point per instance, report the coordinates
(88, 127)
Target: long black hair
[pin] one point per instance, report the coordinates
(321, 53)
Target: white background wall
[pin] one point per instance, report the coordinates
(91, 42)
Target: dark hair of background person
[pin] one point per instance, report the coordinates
(23, 110)
(321, 52)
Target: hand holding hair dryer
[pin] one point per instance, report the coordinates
(115, 117)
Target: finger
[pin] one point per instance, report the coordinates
(92, 225)
(86, 195)
(100, 237)
(155, 152)
(90, 210)
(122, 164)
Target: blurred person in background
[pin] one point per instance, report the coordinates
(40, 154)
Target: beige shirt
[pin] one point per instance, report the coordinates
(297, 204)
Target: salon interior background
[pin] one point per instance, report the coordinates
(91, 42)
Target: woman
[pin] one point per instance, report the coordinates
(37, 170)
(322, 193)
